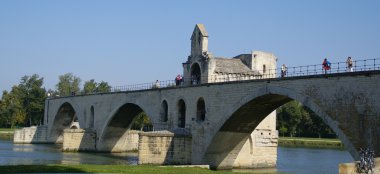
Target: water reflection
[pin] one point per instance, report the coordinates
(290, 160)
(28, 154)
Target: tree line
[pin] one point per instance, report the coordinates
(294, 119)
(23, 105)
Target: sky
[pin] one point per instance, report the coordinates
(131, 42)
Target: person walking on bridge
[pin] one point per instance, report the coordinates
(349, 64)
(283, 70)
(326, 65)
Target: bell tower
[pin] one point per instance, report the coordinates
(199, 41)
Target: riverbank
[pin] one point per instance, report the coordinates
(283, 141)
(85, 168)
(310, 142)
(6, 133)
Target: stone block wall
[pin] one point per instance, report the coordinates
(164, 148)
(260, 150)
(34, 134)
(131, 141)
(79, 140)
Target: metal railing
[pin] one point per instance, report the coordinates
(296, 71)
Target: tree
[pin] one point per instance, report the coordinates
(141, 121)
(33, 96)
(294, 119)
(11, 111)
(68, 84)
(104, 87)
(24, 104)
(290, 116)
(92, 86)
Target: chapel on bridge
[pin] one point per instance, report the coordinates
(203, 67)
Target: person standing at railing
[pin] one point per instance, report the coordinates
(326, 65)
(177, 80)
(349, 64)
(180, 79)
(156, 84)
(283, 70)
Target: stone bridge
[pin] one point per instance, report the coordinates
(347, 102)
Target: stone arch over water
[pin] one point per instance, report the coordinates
(116, 127)
(246, 115)
(63, 119)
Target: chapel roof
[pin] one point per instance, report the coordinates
(232, 66)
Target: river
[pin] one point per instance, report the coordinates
(290, 160)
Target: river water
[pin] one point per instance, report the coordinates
(290, 160)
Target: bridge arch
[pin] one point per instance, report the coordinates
(243, 117)
(64, 118)
(119, 122)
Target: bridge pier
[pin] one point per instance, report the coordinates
(75, 140)
(34, 134)
(164, 148)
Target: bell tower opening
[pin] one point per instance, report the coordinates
(195, 74)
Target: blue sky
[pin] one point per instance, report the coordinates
(128, 42)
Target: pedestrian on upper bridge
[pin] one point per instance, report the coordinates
(349, 64)
(178, 80)
(156, 84)
(326, 65)
(283, 70)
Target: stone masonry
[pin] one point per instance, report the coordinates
(34, 134)
(75, 140)
(164, 147)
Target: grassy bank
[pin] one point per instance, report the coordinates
(141, 169)
(6, 133)
(310, 142)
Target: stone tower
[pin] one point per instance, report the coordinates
(202, 67)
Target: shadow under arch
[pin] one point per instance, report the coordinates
(247, 115)
(64, 119)
(119, 122)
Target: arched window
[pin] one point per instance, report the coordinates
(92, 116)
(181, 114)
(195, 74)
(264, 69)
(164, 111)
(201, 110)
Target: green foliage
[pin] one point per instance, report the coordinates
(24, 105)
(68, 84)
(141, 121)
(103, 87)
(293, 119)
(94, 87)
